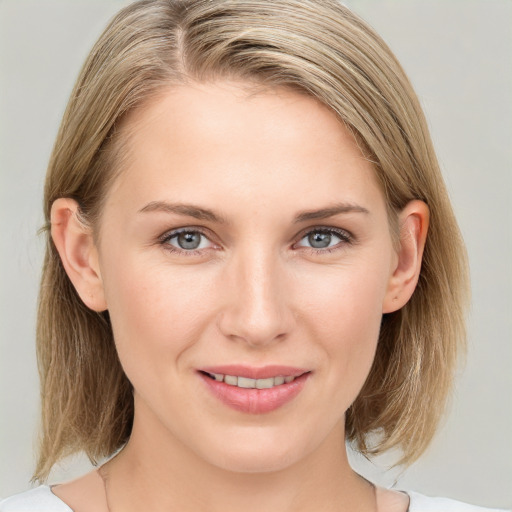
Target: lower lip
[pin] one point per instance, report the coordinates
(255, 401)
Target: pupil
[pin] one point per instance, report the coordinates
(319, 240)
(189, 240)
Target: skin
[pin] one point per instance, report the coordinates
(255, 292)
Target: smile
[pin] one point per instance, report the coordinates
(254, 390)
(247, 383)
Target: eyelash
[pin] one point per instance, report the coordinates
(164, 241)
(346, 238)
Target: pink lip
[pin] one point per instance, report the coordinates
(255, 401)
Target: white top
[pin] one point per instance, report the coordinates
(41, 499)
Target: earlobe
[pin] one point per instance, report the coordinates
(413, 223)
(79, 255)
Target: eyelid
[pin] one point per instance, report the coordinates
(325, 229)
(185, 229)
(345, 236)
(173, 233)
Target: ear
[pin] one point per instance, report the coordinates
(78, 252)
(413, 223)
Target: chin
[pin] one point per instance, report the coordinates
(239, 463)
(258, 455)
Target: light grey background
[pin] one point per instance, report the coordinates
(458, 55)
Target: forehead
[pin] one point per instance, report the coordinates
(230, 138)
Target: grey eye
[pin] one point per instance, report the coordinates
(319, 240)
(324, 238)
(189, 240)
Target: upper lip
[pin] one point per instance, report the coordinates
(252, 372)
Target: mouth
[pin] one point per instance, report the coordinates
(254, 390)
(248, 383)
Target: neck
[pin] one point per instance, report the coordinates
(157, 472)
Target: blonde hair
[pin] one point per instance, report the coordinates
(322, 49)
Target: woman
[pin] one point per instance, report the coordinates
(239, 276)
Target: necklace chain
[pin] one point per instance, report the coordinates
(104, 478)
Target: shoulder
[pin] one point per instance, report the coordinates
(421, 503)
(40, 499)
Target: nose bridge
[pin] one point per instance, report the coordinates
(256, 310)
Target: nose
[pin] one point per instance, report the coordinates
(257, 309)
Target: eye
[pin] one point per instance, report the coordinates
(187, 240)
(324, 238)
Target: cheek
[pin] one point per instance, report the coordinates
(344, 312)
(156, 311)
(345, 298)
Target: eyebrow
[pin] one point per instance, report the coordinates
(205, 214)
(189, 210)
(330, 211)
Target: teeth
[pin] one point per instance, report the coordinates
(246, 383)
(263, 383)
(231, 380)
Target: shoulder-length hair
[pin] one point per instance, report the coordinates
(318, 47)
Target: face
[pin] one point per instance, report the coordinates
(246, 236)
